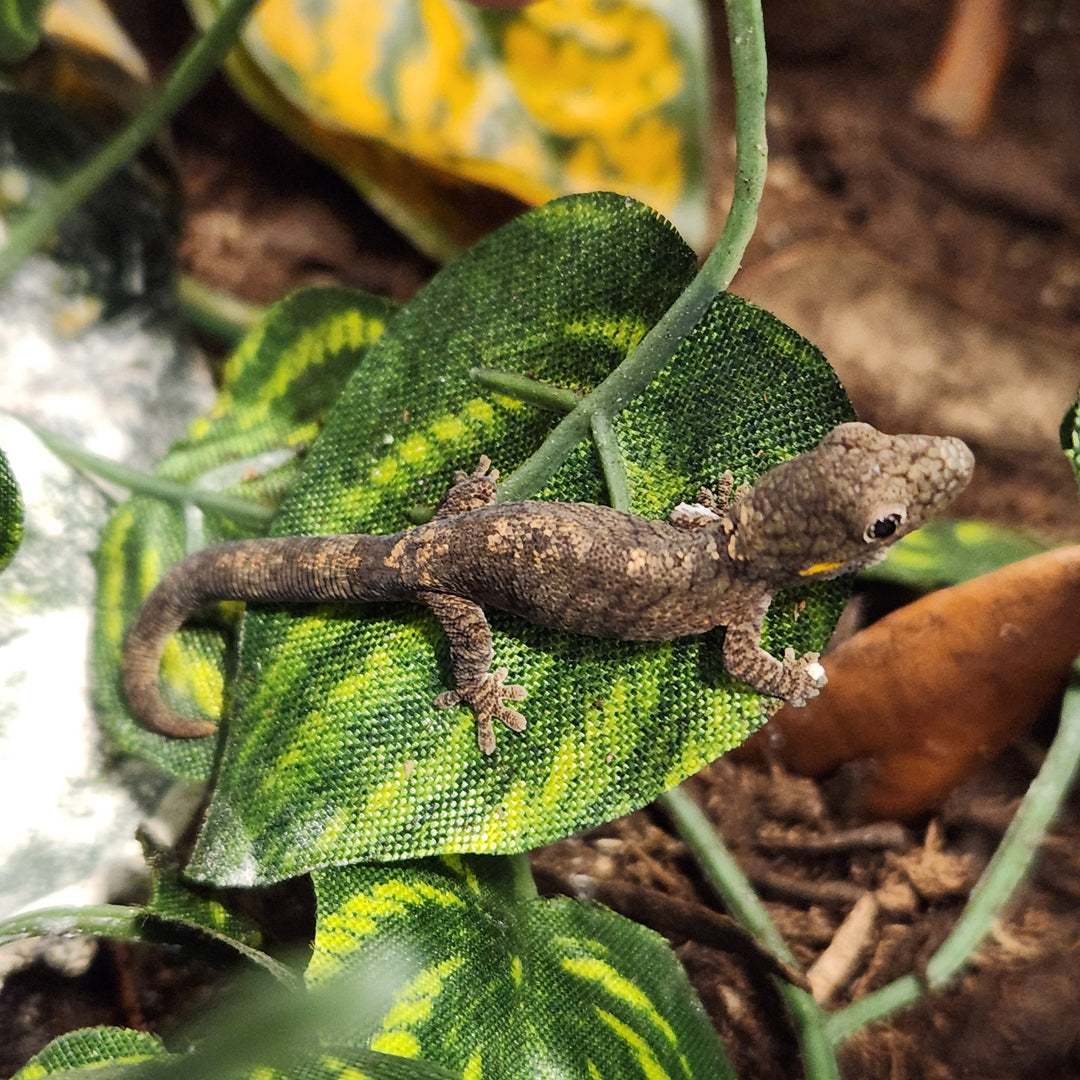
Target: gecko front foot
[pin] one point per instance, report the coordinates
(803, 677)
(710, 505)
(486, 698)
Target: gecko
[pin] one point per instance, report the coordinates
(583, 568)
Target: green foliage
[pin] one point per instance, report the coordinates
(20, 29)
(1070, 438)
(11, 513)
(91, 1049)
(105, 1053)
(174, 899)
(334, 751)
(552, 988)
(490, 984)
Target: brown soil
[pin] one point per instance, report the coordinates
(942, 278)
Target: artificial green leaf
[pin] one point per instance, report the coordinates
(20, 28)
(417, 101)
(277, 388)
(106, 1052)
(947, 552)
(491, 984)
(335, 752)
(11, 513)
(365, 1065)
(119, 922)
(174, 898)
(91, 1049)
(1070, 438)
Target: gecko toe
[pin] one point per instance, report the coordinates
(506, 691)
(511, 718)
(485, 736)
(484, 469)
(486, 698)
(495, 692)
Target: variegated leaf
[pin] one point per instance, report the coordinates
(489, 984)
(409, 98)
(335, 751)
(11, 513)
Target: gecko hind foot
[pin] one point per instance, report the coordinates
(482, 471)
(486, 699)
(470, 491)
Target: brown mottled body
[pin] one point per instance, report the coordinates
(585, 569)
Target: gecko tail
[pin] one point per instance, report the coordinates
(142, 660)
(284, 569)
(163, 613)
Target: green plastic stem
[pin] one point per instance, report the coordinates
(216, 313)
(122, 923)
(611, 461)
(746, 40)
(730, 884)
(541, 395)
(722, 872)
(239, 511)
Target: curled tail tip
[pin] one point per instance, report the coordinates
(140, 682)
(167, 722)
(153, 714)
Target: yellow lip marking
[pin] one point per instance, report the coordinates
(820, 568)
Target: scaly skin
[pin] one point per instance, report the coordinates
(583, 568)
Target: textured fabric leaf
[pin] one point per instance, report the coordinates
(1070, 438)
(335, 752)
(401, 95)
(491, 985)
(91, 1048)
(11, 513)
(277, 388)
(173, 898)
(359, 1065)
(105, 1052)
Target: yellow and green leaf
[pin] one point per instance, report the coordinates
(489, 984)
(113, 1051)
(277, 389)
(419, 101)
(1069, 435)
(334, 751)
(92, 1048)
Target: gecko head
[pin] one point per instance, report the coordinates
(838, 508)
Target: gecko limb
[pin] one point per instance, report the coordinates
(793, 678)
(471, 653)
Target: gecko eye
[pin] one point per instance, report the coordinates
(883, 527)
